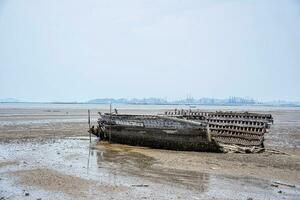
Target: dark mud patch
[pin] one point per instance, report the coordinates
(7, 163)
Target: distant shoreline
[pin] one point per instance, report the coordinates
(166, 104)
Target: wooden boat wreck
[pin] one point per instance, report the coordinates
(187, 130)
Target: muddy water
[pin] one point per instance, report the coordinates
(107, 172)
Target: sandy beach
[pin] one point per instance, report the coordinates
(80, 79)
(46, 154)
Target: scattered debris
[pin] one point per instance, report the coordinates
(285, 184)
(140, 185)
(274, 185)
(239, 149)
(214, 168)
(274, 151)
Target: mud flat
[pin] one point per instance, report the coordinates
(45, 153)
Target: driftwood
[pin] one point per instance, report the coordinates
(140, 185)
(284, 184)
(274, 151)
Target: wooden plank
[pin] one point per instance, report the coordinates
(238, 131)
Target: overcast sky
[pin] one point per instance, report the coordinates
(60, 50)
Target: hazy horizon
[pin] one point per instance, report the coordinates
(156, 100)
(64, 50)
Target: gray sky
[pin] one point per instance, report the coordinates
(60, 50)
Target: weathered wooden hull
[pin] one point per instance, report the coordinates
(184, 140)
(188, 130)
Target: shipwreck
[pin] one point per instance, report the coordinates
(187, 130)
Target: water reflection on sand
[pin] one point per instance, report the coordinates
(131, 174)
(143, 166)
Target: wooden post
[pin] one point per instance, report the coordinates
(109, 122)
(208, 133)
(89, 122)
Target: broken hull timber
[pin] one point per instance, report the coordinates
(241, 132)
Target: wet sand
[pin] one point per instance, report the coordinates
(45, 153)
